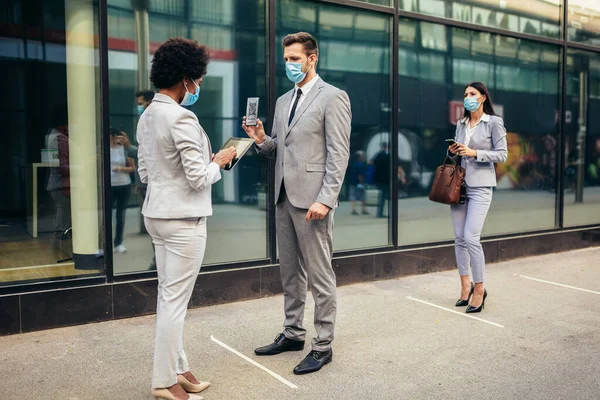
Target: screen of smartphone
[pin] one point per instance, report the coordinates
(251, 111)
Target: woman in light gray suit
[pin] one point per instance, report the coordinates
(481, 141)
(176, 162)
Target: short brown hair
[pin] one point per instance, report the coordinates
(308, 42)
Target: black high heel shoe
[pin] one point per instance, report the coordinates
(472, 309)
(461, 302)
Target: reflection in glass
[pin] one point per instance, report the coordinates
(354, 56)
(234, 31)
(122, 167)
(380, 2)
(584, 21)
(535, 17)
(582, 140)
(50, 210)
(523, 79)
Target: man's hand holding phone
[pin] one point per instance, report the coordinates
(256, 132)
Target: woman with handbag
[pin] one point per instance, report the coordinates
(481, 142)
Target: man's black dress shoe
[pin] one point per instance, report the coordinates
(314, 361)
(280, 345)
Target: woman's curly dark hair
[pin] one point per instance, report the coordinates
(176, 59)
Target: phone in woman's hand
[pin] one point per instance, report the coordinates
(451, 142)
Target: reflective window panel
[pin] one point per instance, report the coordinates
(51, 175)
(584, 21)
(234, 31)
(435, 64)
(536, 17)
(354, 48)
(582, 139)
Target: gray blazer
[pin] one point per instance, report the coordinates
(312, 152)
(174, 159)
(489, 139)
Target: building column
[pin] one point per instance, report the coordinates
(83, 128)
(142, 37)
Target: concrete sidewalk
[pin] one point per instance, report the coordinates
(534, 340)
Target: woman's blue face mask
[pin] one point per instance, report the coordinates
(472, 103)
(190, 98)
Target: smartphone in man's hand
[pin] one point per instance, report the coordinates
(251, 111)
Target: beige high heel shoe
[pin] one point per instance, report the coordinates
(191, 387)
(164, 394)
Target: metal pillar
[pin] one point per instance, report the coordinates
(142, 37)
(581, 134)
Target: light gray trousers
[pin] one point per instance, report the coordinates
(179, 246)
(305, 252)
(468, 220)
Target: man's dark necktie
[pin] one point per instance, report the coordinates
(294, 106)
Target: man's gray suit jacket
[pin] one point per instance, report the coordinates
(312, 151)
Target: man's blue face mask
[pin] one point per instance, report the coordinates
(294, 71)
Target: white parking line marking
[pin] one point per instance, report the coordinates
(251, 361)
(558, 284)
(462, 314)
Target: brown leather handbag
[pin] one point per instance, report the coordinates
(449, 183)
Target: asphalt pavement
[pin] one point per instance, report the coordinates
(537, 338)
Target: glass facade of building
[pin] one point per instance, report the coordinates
(537, 17)
(51, 208)
(237, 70)
(73, 69)
(435, 64)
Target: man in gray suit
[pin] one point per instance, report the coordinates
(310, 142)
